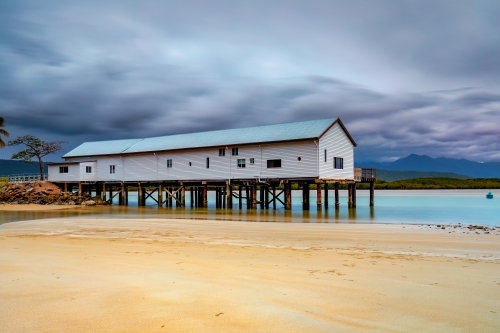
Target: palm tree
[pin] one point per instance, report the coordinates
(2, 132)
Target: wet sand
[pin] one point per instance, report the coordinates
(34, 207)
(105, 275)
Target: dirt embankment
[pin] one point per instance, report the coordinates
(44, 193)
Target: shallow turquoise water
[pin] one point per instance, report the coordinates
(391, 206)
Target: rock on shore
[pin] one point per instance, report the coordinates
(44, 193)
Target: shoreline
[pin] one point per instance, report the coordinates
(34, 207)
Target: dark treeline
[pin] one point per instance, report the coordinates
(425, 184)
(435, 183)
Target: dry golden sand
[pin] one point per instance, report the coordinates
(93, 275)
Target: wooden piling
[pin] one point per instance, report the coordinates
(229, 196)
(121, 196)
(262, 197)
(183, 195)
(160, 195)
(354, 195)
(205, 195)
(319, 204)
(224, 197)
(274, 197)
(266, 197)
(326, 196)
(126, 196)
(248, 199)
(196, 196)
(288, 196)
(104, 191)
(254, 197)
(337, 199)
(349, 196)
(305, 196)
(140, 195)
(191, 196)
(171, 199)
(372, 194)
(240, 199)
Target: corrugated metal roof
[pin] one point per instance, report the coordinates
(235, 136)
(102, 147)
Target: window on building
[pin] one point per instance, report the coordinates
(274, 164)
(208, 162)
(88, 169)
(63, 169)
(241, 162)
(299, 158)
(252, 161)
(234, 151)
(325, 156)
(190, 164)
(169, 163)
(222, 152)
(112, 169)
(338, 162)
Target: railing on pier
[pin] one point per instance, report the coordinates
(365, 175)
(26, 177)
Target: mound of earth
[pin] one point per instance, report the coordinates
(44, 193)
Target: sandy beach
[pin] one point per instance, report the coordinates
(160, 275)
(34, 207)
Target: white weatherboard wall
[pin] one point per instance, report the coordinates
(88, 176)
(72, 175)
(153, 166)
(337, 144)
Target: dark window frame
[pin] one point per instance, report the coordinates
(234, 151)
(222, 152)
(338, 163)
(63, 169)
(273, 164)
(240, 164)
(112, 168)
(169, 163)
(252, 161)
(88, 169)
(326, 159)
(208, 163)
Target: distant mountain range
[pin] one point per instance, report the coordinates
(12, 167)
(424, 163)
(393, 175)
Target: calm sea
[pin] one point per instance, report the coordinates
(391, 206)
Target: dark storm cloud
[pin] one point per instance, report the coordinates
(405, 77)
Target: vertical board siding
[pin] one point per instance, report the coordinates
(72, 175)
(337, 144)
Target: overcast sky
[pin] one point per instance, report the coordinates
(404, 76)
